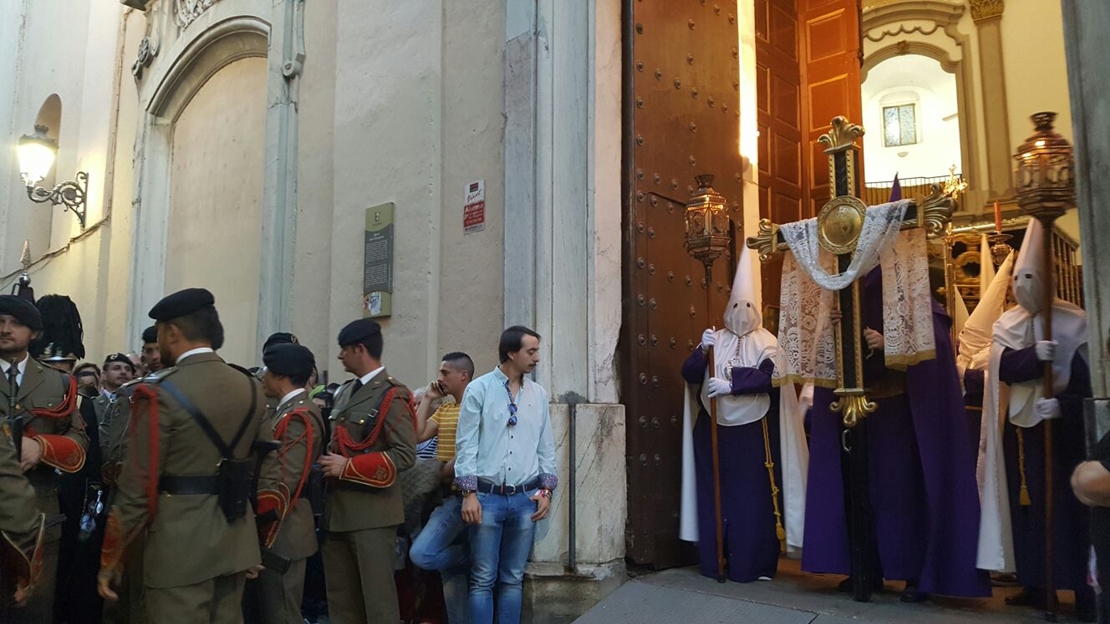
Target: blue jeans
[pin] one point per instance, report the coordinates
(499, 549)
(441, 546)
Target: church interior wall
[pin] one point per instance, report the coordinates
(1036, 70)
(921, 81)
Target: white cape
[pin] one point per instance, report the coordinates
(794, 460)
(1016, 329)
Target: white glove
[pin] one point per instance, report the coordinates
(805, 398)
(1046, 350)
(961, 368)
(718, 387)
(708, 339)
(1047, 409)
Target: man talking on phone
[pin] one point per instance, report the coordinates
(441, 545)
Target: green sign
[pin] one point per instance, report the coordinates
(377, 263)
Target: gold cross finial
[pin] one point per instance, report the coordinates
(955, 185)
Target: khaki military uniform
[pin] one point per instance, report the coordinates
(194, 559)
(49, 403)
(113, 425)
(374, 427)
(297, 424)
(22, 528)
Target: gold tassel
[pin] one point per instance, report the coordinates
(1023, 496)
(780, 532)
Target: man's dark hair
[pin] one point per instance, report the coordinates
(299, 381)
(202, 325)
(512, 340)
(374, 345)
(461, 361)
(150, 335)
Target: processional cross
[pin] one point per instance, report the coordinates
(839, 225)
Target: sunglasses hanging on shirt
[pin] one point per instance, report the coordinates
(512, 405)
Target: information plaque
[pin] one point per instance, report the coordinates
(377, 263)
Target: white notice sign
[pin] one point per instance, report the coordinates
(474, 207)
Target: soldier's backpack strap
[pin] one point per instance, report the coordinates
(233, 482)
(227, 451)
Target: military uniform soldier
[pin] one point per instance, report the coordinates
(186, 479)
(373, 438)
(44, 426)
(22, 529)
(297, 424)
(130, 608)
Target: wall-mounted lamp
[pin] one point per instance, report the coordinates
(36, 157)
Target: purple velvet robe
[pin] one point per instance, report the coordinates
(1071, 522)
(751, 544)
(974, 386)
(924, 497)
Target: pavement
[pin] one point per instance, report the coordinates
(683, 596)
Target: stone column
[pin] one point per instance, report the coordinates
(562, 276)
(988, 17)
(1085, 27)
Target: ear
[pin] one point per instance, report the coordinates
(169, 333)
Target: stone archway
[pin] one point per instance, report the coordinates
(929, 28)
(170, 88)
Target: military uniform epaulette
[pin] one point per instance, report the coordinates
(157, 376)
(242, 370)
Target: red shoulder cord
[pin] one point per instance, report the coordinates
(343, 439)
(279, 433)
(64, 408)
(146, 394)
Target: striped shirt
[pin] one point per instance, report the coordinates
(447, 417)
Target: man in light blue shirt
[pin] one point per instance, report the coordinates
(505, 467)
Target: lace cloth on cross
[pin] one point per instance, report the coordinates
(807, 350)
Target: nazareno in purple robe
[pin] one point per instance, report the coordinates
(1071, 524)
(751, 545)
(924, 498)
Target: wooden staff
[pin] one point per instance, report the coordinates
(1048, 221)
(713, 443)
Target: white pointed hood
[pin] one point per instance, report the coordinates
(986, 265)
(742, 315)
(959, 314)
(976, 336)
(1029, 278)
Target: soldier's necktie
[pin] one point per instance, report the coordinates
(356, 387)
(13, 375)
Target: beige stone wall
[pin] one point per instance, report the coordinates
(90, 76)
(1034, 64)
(417, 114)
(215, 206)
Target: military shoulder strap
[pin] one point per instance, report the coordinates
(226, 450)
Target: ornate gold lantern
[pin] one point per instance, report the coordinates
(1045, 180)
(706, 223)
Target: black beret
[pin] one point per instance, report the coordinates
(181, 303)
(24, 311)
(357, 331)
(289, 359)
(279, 338)
(119, 357)
(150, 334)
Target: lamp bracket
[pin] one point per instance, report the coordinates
(70, 194)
